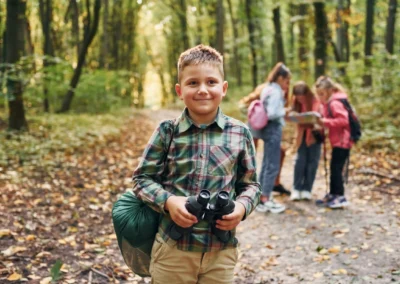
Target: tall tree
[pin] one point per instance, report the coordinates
(15, 45)
(369, 34)
(390, 26)
(342, 38)
(73, 14)
(46, 18)
(104, 43)
(234, 22)
(90, 31)
(321, 30)
(220, 26)
(280, 52)
(183, 22)
(303, 45)
(252, 39)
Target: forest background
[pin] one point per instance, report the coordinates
(72, 71)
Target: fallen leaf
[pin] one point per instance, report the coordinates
(5, 233)
(354, 256)
(318, 275)
(13, 250)
(14, 277)
(274, 237)
(46, 280)
(340, 272)
(335, 249)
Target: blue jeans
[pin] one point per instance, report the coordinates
(272, 136)
(306, 166)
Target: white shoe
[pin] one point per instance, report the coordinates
(306, 195)
(261, 208)
(274, 207)
(295, 195)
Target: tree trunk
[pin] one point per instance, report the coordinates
(15, 25)
(48, 51)
(303, 38)
(369, 33)
(280, 52)
(116, 35)
(199, 20)
(236, 56)
(321, 27)
(183, 23)
(220, 26)
(390, 26)
(82, 55)
(104, 43)
(251, 30)
(75, 26)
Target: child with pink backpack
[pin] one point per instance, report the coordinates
(273, 101)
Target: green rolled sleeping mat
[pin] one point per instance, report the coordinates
(135, 225)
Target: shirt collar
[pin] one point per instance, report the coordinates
(185, 122)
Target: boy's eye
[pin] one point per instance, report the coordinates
(212, 82)
(192, 83)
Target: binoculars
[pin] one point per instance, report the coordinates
(201, 208)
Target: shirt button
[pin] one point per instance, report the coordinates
(201, 155)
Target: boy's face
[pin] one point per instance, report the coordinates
(202, 88)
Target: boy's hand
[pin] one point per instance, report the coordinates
(230, 221)
(179, 214)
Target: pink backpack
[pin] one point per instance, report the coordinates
(256, 114)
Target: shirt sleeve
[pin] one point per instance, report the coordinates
(274, 105)
(247, 188)
(147, 183)
(340, 116)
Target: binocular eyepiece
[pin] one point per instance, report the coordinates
(199, 206)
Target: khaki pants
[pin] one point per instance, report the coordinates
(170, 265)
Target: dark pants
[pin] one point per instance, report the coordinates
(306, 166)
(339, 158)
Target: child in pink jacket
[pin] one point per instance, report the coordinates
(336, 120)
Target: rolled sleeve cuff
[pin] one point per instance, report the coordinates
(248, 206)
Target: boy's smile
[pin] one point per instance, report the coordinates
(202, 88)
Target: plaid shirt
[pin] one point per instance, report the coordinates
(219, 156)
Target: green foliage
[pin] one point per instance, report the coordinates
(56, 270)
(98, 91)
(52, 136)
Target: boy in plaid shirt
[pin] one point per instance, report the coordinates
(209, 151)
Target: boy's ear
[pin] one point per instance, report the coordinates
(178, 90)
(225, 88)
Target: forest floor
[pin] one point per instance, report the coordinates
(60, 215)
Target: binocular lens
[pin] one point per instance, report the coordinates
(204, 197)
(223, 198)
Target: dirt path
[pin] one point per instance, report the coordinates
(312, 245)
(63, 214)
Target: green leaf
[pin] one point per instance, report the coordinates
(55, 270)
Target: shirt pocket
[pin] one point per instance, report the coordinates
(222, 161)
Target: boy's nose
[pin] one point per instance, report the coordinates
(202, 89)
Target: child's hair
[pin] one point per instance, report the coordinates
(326, 83)
(302, 89)
(279, 70)
(198, 55)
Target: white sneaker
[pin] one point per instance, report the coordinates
(274, 207)
(295, 195)
(261, 208)
(306, 195)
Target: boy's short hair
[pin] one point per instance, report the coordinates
(198, 55)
